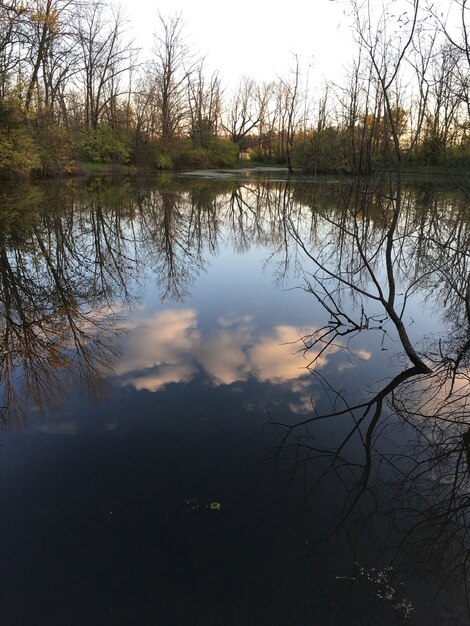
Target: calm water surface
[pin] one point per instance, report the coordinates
(152, 358)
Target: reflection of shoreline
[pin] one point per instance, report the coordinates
(86, 250)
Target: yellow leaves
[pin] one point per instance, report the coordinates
(18, 153)
(46, 16)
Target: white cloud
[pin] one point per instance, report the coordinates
(168, 347)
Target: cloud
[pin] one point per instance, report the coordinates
(232, 320)
(168, 347)
(362, 355)
(275, 357)
(164, 375)
(303, 406)
(223, 355)
(158, 348)
(160, 339)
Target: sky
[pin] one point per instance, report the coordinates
(256, 38)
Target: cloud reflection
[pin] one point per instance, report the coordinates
(158, 350)
(276, 358)
(169, 347)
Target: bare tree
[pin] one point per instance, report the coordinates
(291, 105)
(204, 103)
(12, 19)
(59, 321)
(171, 70)
(105, 58)
(243, 113)
(380, 249)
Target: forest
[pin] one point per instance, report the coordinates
(75, 90)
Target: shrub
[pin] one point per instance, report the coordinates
(18, 151)
(55, 149)
(185, 154)
(457, 156)
(103, 145)
(258, 155)
(322, 152)
(222, 153)
(19, 154)
(163, 161)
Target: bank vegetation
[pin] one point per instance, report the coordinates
(75, 90)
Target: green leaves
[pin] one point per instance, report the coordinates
(18, 153)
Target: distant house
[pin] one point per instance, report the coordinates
(244, 155)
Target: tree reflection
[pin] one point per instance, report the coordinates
(61, 270)
(176, 226)
(403, 448)
(70, 257)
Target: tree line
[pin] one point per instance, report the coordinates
(73, 88)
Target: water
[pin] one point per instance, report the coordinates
(152, 362)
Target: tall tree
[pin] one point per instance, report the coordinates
(204, 105)
(291, 103)
(105, 57)
(12, 19)
(172, 66)
(243, 114)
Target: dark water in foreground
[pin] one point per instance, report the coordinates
(152, 360)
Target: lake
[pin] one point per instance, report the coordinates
(234, 400)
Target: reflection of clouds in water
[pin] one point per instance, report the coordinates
(304, 406)
(168, 347)
(55, 426)
(440, 395)
(276, 357)
(438, 404)
(223, 355)
(164, 375)
(362, 355)
(231, 320)
(161, 345)
(306, 401)
(69, 425)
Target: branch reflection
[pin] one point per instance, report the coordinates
(400, 450)
(62, 284)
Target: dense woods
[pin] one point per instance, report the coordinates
(74, 89)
